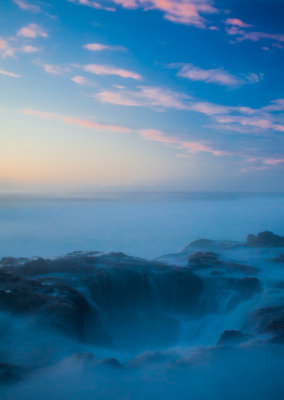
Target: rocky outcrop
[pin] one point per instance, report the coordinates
(270, 320)
(210, 260)
(209, 245)
(265, 239)
(56, 306)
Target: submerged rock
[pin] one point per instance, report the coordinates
(279, 259)
(10, 373)
(233, 337)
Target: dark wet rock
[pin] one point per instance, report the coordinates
(8, 261)
(246, 286)
(112, 363)
(279, 259)
(270, 320)
(244, 269)
(233, 337)
(10, 373)
(204, 260)
(278, 285)
(208, 260)
(207, 244)
(265, 239)
(64, 265)
(60, 307)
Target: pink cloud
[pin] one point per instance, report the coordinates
(156, 136)
(273, 161)
(276, 105)
(116, 98)
(255, 36)
(5, 49)
(188, 12)
(7, 73)
(218, 76)
(153, 97)
(92, 4)
(69, 120)
(110, 70)
(29, 49)
(237, 22)
(190, 147)
(32, 31)
(101, 47)
(209, 108)
(53, 69)
(195, 147)
(27, 6)
(215, 75)
(80, 80)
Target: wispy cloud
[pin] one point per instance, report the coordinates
(101, 47)
(7, 73)
(187, 12)
(6, 50)
(69, 120)
(218, 76)
(98, 69)
(153, 97)
(24, 5)
(244, 120)
(186, 146)
(29, 49)
(273, 161)
(244, 34)
(54, 69)
(80, 80)
(237, 22)
(32, 31)
(93, 4)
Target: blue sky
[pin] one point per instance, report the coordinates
(164, 94)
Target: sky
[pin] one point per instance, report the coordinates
(155, 94)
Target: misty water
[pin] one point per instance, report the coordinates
(144, 225)
(133, 312)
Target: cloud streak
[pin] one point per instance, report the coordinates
(93, 4)
(99, 69)
(23, 5)
(234, 26)
(102, 47)
(10, 74)
(215, 75)
(153, 97)
(187, 146)
(187, 12)
(69, 120)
